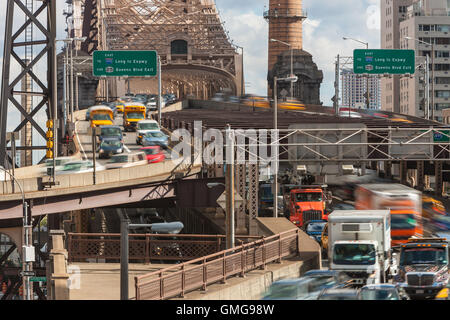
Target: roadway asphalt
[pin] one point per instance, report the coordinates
(130, 146)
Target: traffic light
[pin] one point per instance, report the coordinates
(50, 139)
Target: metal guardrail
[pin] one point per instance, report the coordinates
(146, 247)
(199, 273)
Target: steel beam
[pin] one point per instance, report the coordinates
(11, 43)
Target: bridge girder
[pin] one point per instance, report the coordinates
(155, 25)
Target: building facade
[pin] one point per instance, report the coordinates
(392, 13)
(354, 88)
(423, 26)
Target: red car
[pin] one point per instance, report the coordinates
(154, 154)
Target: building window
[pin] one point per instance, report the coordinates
(179, 47)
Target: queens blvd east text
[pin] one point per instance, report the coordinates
(226, 309)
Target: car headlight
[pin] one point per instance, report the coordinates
(101, 151)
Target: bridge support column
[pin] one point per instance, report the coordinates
(252, 204)
(420, 175)
(403, 172)
(438, 183)
(58, 288)
(388, 169)
(240, 188)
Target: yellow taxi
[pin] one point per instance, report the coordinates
(291, 105)
(258, 102)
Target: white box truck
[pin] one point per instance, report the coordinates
(360, 244)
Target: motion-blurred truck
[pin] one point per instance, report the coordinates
(404, 203)
(308, 203)
(359, 243)
(423, 267)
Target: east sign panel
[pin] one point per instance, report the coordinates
(125, 63)
(384, 61)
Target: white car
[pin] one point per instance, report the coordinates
(59, 164)
(80, 166)
(152, 105)
(127, 160)
(145, 126)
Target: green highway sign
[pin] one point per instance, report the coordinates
(441, 136)
(125, 63)
(381, 61)
(38, 279)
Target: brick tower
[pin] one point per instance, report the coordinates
(285, 18)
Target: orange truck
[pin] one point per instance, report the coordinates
(308, 203)
(404, 203)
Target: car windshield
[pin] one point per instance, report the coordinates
(119, 159)
(315, 227)
(355, 254)
(309, 197)
(101, 116)
(135, 115)
(403, 221)
(148, 126)
(150, 152)
(286, 290)
(49, 163)
(379, 294)
(338, 297)
(73, 166)
(430, 255)
(154, 135)
(266, 192)
(111, 132)
(110, 143)
(320, 281)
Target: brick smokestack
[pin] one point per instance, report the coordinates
(285, 19)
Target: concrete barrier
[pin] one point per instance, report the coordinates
(105, 177)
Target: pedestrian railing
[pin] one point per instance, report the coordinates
(201, 272)
(145, 247)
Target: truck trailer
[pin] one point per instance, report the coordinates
(404, 203)
(360, 244)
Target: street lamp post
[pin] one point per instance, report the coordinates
(432, 74)
(292, 62)
(367, 78)
(291, 79)
(229, 213)
(27, 248)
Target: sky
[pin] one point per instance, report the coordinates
(328, 21)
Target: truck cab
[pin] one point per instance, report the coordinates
(423, 267)
(359, 243)
(307, 203)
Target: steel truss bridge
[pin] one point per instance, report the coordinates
(197, 56)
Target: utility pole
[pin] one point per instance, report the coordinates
(229, 189)
(336, 86)
(124, 255)
(159, 91)
(275, 127)
(432, 80)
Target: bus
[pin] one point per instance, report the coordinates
(132, 114)
(101, 116)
